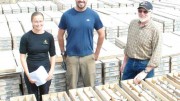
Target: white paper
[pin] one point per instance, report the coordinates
(40, 76)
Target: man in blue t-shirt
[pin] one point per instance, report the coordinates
(80, 22)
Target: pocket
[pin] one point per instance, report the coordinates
(143, 64)
(93, 57)
(90, 57)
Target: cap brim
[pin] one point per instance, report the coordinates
(142, 7)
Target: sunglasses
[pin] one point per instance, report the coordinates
(144, 11)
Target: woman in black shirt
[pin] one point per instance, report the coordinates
(35, 48)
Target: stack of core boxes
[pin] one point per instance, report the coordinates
(111, 71)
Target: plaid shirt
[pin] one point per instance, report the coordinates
(144, 42)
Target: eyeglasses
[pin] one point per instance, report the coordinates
(144, 11)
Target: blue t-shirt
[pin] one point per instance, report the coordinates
(80, 27)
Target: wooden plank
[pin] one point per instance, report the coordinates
(30, 97)
(102, 94)
(157, 94)
(121, 91)
(1, 9)
(166, 81)
(16, 32)
(110, 62)
(6, 9)
(112, 92)
(23, 7)
(91, 94)
(38, 5)
(166, 5)
(63, 94)
(46, 5)
(121, 42)
(82, 95)
(73, 95)
(132, 91)
(152, 82)
(8, 64)
(52, 28)
(15, 8)
(54, 15)
(3, 19)
(173, 77)
(60, 96)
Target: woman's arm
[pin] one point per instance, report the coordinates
(52, 61)
(25, 67)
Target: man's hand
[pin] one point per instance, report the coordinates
(140, 77)
(122, 68)
(96, 56)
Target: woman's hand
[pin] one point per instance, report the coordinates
(31, 81)
(50, 75)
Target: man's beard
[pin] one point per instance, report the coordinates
(81, 5)
(144, 19)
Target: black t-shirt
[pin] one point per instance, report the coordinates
(38, 47)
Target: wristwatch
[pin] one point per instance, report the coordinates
(145, 71)
(62, 53)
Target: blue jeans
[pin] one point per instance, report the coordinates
(134, 67)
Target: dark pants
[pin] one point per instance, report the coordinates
(134, 67)
(37, 90)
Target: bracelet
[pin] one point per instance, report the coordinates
(63, 53)
(145, 71)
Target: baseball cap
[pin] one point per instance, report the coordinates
(146, 5)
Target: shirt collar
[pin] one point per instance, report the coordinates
(148, 23)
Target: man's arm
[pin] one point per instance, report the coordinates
(124, 63)
(154, 60)
(156, 55)
(101, 35)
(61, 39)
